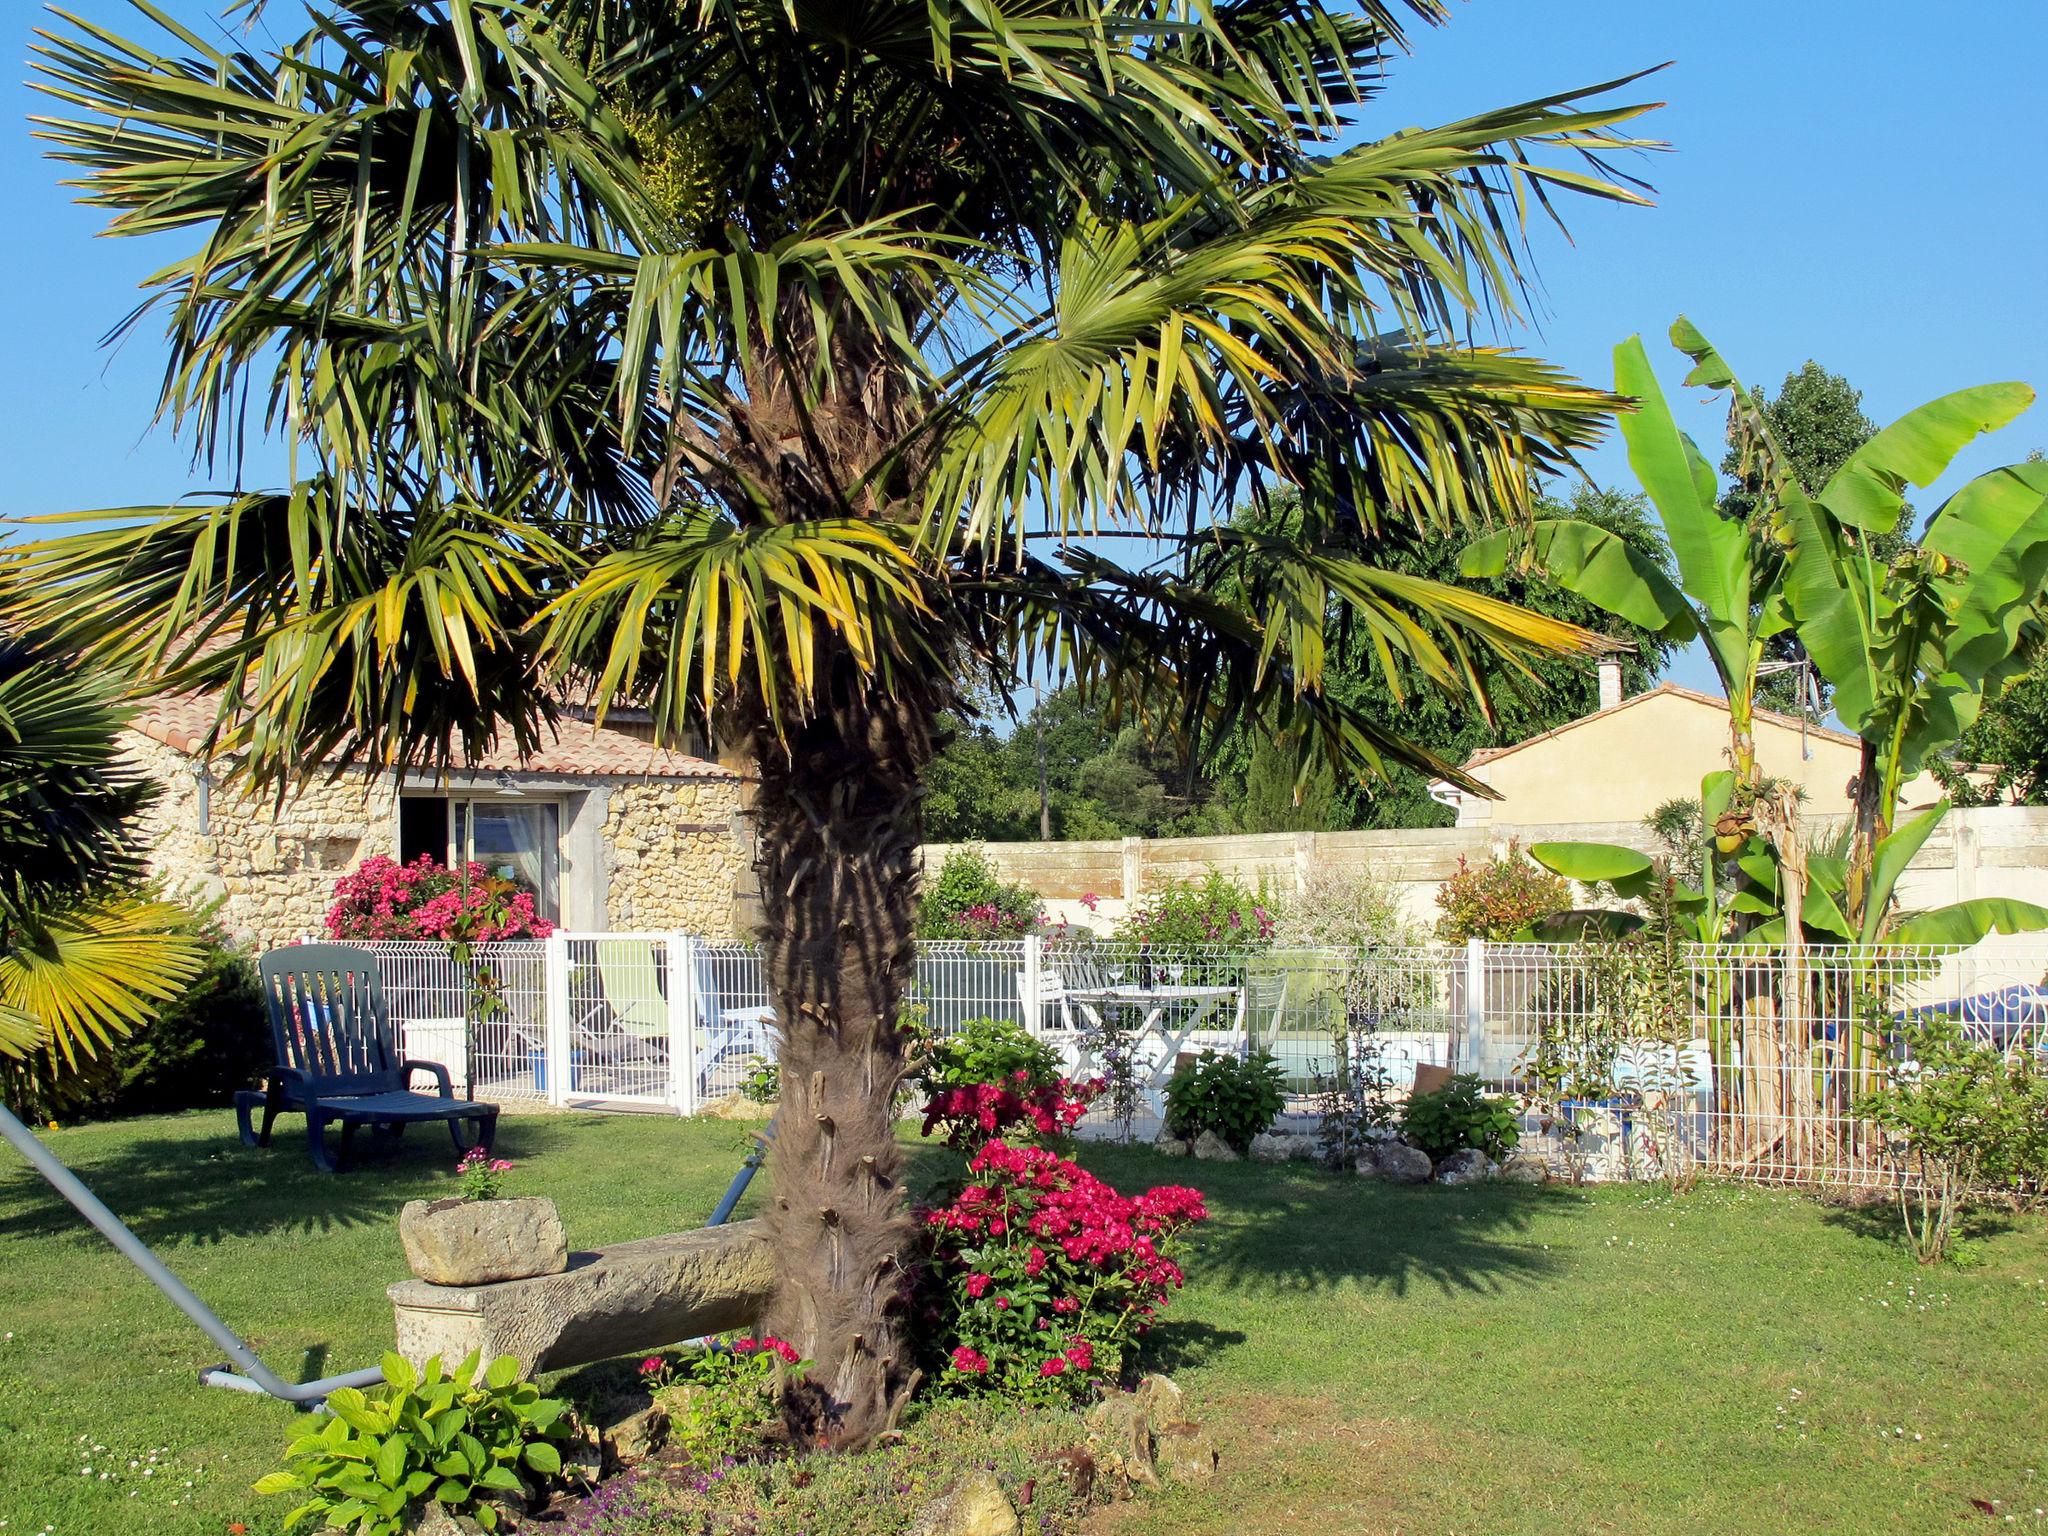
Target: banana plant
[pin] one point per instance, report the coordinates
(1913, 646)
(1749, 908)
(1729, 595)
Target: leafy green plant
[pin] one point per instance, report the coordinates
(1460, 1114)
(718, 1399)
(763, 1082)
(1194, 914)
(986, 1051)
(1504, 898)
(482, 1175)
(971, 900)
(1964, 1119)
(1236, 1097)
(467, 1440)
(993, 1079)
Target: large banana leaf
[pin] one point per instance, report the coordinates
(1968, 921)
(1713, 552)
(1869, 489)
(1996, 527)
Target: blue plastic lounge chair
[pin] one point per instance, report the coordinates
(337, 1057)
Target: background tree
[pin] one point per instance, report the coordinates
(792, 370)
(1516, 703)
(2009, 737)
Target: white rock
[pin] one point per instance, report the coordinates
(1467, 1165)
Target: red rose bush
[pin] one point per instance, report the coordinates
(1042, 1277)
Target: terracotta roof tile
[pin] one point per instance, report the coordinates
(579, 749)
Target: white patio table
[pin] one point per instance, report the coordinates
(1174, 1017)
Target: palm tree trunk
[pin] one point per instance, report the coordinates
(838, 827)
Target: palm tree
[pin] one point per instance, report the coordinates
(83, 960)
(793, 370)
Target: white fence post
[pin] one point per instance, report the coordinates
(1034, 968)
(682, 1022)
(1466, 1057)
(555, 1028)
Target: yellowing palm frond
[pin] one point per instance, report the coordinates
(76, 976)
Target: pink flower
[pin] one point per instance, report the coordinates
(650, 1365)
(1056, 1366)
(977, 1286)
(745, 1346)
(970, 1362)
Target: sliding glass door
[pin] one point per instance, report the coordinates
(514, 839)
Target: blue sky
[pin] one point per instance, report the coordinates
(1853, 182)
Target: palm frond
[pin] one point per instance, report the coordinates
(77, 975)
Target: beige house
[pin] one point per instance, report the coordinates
(1621, 762)
(611, 832)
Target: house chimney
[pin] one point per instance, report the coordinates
(1610, 682)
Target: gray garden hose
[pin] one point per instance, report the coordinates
(254, 1375)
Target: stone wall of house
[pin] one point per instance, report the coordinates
(272, 864)
(675, 852)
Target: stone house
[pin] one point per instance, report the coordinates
(611, 832)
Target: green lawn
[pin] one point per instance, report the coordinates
(1374, 1359)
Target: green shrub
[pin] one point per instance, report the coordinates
(763, 1082)
(1501, 899)
(1964, 1120)
(970, 900)
(1344, 908)
(718, 1400)
(467, 1441)
(1236, 1097)
(1193, 914)
(1459, 1115)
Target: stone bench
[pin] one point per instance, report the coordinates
(627, 1299)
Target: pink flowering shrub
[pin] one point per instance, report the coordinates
(383, 899)
(968, 899)
(994, 1079)
(482, 1175)
(720, 1399)
(1042, 1278)
(1196, 914)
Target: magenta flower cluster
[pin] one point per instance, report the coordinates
(1044, 1276)
(976, 1112)
(383, 899)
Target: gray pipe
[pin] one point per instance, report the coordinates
(254, 1375)
(745, 1176)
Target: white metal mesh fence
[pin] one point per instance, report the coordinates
(1732, 1059)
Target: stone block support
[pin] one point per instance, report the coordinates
(626, 1299)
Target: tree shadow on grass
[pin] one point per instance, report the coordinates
(1301, 1228)
(1304, 1228)
(212, 1189)
(1878, 1220)
(1183, 1343)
